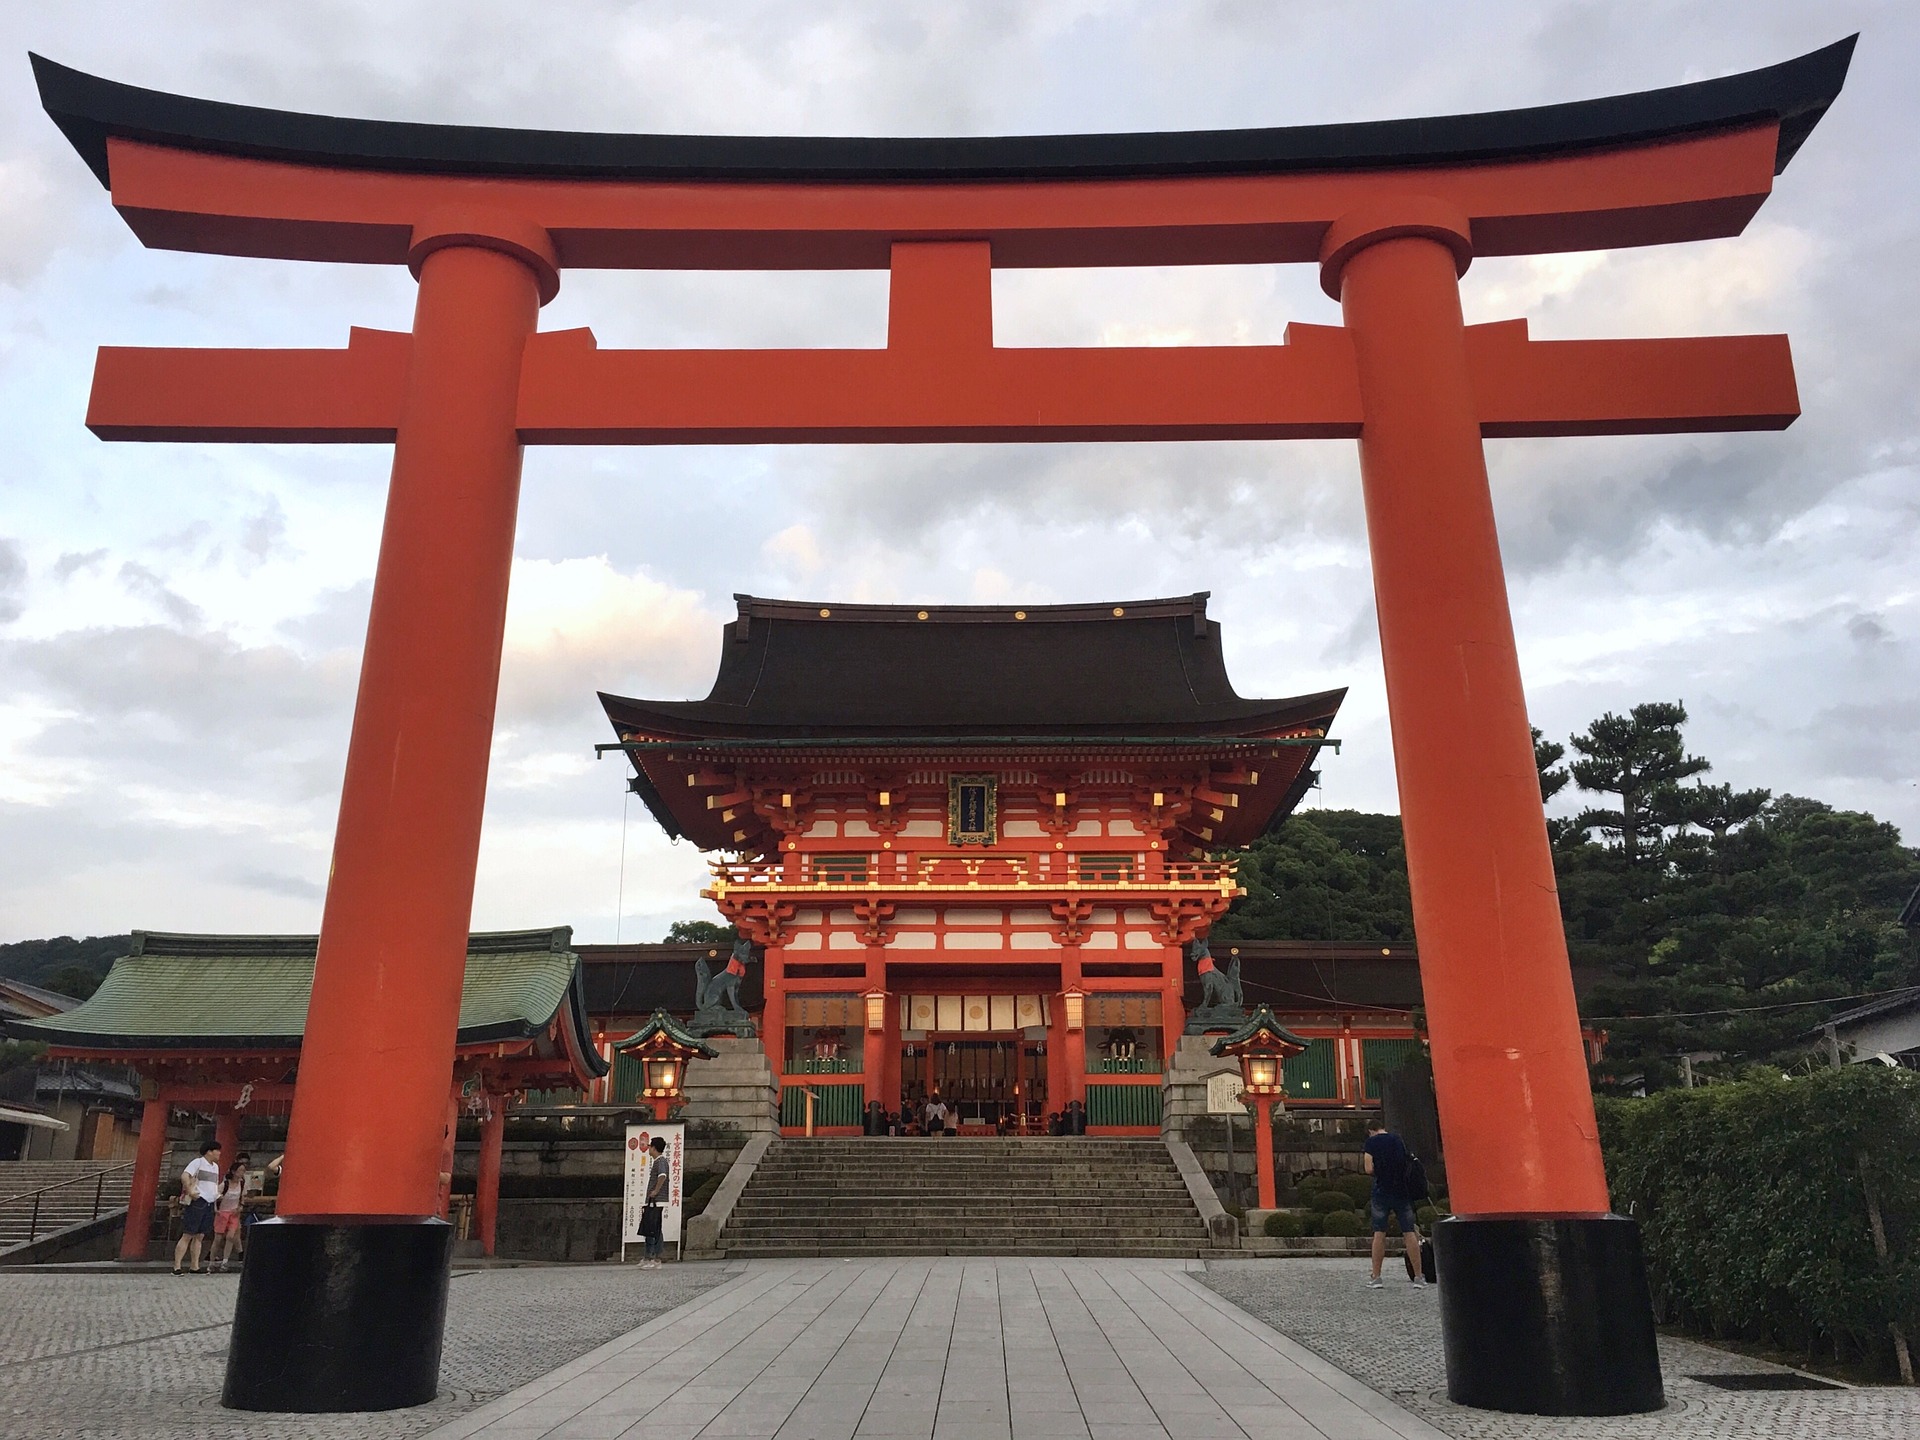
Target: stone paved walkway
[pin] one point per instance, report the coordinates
(116, 1356)
(949, 1349)
(1391, 1340)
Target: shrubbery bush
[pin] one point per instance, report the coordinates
(1328, 1200)
(1753, 1210)
(1424, 1216)
(1356, 1187)
(1285, 1225)
(1342, 1222)
(1310, 1223)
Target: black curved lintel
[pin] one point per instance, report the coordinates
(1796, 93)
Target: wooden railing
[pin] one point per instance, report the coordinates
(968, 870)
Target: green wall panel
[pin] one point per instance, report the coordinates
(1123, 1104)
(1310, 1076)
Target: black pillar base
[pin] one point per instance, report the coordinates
(1547, 1316)
(341, 1313)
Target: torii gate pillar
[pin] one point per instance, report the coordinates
(1532, 1251)
(1543, 1290)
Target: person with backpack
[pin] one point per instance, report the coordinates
(1396, 1174)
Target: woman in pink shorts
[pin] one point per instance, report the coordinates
(227, 1210)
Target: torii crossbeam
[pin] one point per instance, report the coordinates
(1545, 1301)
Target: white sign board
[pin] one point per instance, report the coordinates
(639, 1161)
(1223, 1094)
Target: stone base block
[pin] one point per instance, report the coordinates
(1547, 1315)
(342, 1313)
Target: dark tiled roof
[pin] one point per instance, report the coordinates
(1116, 670)
(1796, 93)
(1885, 1005)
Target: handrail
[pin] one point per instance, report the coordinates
(98, 1177)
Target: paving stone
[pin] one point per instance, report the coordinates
(1390, 1340)
(117, 1356)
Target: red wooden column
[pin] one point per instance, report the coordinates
(1263, 1150)
(1539, 1279)
(353, 1252)
(1073, 1041)
(226, 1131)
(875, 1066)
(486, 1190)
(1173, 1009)
(773, 1020)
(393, 935)
(1508, 1065)
(147, 1160)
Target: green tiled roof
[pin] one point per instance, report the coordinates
(201, 991)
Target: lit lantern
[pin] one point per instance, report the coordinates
(1262, 1046)
(664, 1050)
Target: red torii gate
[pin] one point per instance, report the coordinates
(1545, 1299)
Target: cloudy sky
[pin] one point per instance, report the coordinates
(180, 625)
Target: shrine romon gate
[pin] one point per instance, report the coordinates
(1545, 1300)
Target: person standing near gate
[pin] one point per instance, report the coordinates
(936, 1115)
(1386, 1159)
(200, 1186)
(653, 1211)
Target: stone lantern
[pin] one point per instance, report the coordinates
(664, 1050)
(1262, 1046)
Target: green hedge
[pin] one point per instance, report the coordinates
(1754, 1214)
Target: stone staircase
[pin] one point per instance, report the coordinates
(72, 1204)
(965, 1196)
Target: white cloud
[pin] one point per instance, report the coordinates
(182, 623)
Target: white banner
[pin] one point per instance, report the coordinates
(639, 1160)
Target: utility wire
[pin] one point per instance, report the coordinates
(620, 900)
(1751, 1009)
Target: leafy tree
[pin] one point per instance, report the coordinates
(79, 981)
(1637, 757)
(36, 961)
(1324, 875)
(701, 932)
(1713, 808)
(1546, 759)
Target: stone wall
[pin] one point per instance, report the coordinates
(558, 1230)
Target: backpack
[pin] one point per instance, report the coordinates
(1414, 1180)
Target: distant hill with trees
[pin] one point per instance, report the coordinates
(64, 964)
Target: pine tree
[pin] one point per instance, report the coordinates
(1638, 757)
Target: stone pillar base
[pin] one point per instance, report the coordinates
(1547, 1316)
(340, 1313)
(738, 1087)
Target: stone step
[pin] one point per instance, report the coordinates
(965, 1195)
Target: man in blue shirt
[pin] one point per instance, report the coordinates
(1386, 1161)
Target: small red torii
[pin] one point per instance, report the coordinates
(1544, 1296)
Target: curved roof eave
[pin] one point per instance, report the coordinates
(1795, 93)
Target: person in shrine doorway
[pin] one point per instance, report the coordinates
(1388, 1161)
(936, 1115)
(200, 1188)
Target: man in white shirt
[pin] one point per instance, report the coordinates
(200, 1185)
(936, 1115)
